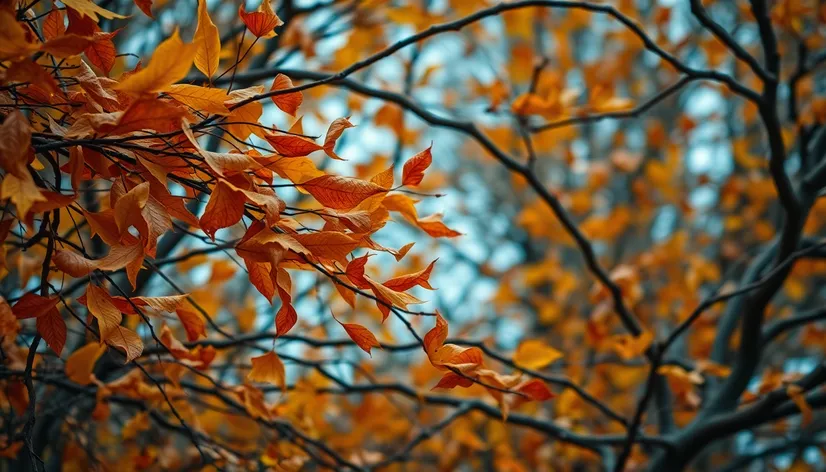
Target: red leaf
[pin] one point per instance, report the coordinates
(146, 7)
(31, 305)
(53, 329)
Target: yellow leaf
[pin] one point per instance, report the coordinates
(534, 354)
(629, 347)
(170, 63)
(88, 8)
(207, 42)
(81, 363)
(207, 100)
(267, 368)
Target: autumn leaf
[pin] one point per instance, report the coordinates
(629, 347)
(285, 319)
(17, 136)
(14, 42)
(261, 22)
(224, 209)
(101, 306)
(360, 335)
(534, 354)
(341, 193)
(329, 245)
(434, 226)
(452, 380)
(334, 132)
(413, 170)
(67, 45)
(145, 6)
(207, 100)
(90, 9)
(80, 365)
(53, 330)
(287, 102)
(170, 63)
(193, 323)
(32, 305)
(53, 25)
(207, 43)
(126, 340)
(267, 368)
(406, 282)
(291, 145)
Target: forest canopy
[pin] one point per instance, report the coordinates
(535, 235)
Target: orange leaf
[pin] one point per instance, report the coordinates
(81, 363)
(207, 42)
(127, 340)
(267, 368)
(330, 245)
(413, 171)
(340, 193)
(435, 338)
(90, 9)
(433, 226)
(408, 281)
(102, 52)
(170, 63)
(285, 319)
(291, 145)
(14, 43)
(259, 276)
(452, 380)
(76, 265)
(355, 271)
(67, 45)
(53, 24)
(193, 324)
(101, 306)
(333, 133)
(262, 22)
(147, 114)
(384, 179)
(224, 209)
(287, 102)
(207, 100)
(361, 336)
